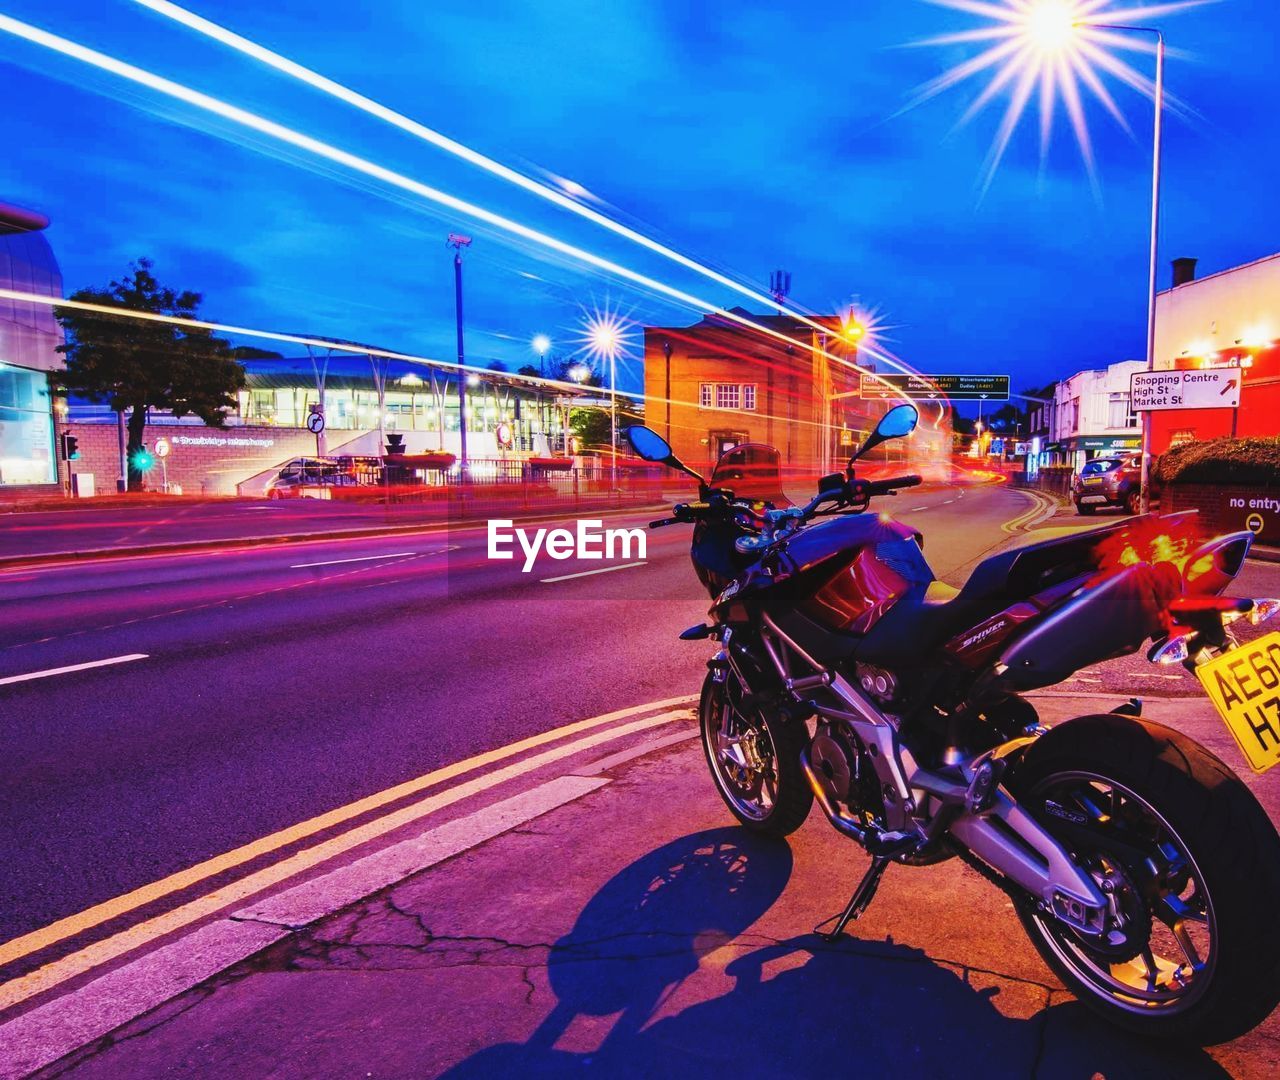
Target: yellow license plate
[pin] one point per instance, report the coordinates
(1244, 684)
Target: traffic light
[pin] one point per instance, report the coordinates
(142, 459)
(395, 443)
(70, 446)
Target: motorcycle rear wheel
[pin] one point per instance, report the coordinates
(755, 762)
(1200, 908)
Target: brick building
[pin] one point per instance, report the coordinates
(716, 384)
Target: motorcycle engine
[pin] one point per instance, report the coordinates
(844, 769)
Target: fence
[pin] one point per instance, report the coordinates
(494, 488)
(1054, 479)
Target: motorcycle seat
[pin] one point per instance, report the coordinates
(926, 616)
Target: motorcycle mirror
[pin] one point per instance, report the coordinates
(651, 446)
(899, 421)
(648, 444)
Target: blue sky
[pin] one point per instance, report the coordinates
(746, 135)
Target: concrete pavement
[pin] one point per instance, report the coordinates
(628, 930)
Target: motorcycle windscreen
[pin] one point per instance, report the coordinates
(1112, 618)
(751, 471)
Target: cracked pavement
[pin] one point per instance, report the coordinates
(633, 932)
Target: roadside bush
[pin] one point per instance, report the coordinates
(1222, 461)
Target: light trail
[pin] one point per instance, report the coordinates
(355, 163)
(356, 349)
(328, 86)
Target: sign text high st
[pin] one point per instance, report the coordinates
(1211, 388)
(935, 387)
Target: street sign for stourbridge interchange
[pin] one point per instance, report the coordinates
(935, 387)
(1211, 388)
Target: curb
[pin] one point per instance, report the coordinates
(186, 547)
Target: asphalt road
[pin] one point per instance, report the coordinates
(279, 682)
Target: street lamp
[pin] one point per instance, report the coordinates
(1156, 153)
(606, 338)
(458, 242)
(1060, 45)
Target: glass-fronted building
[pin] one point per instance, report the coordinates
(29, 338)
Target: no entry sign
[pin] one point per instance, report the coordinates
(1213, 388)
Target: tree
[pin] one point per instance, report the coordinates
(252, 352)
(135, 365)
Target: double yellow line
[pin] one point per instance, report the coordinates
(1041, 503)
(143, 933)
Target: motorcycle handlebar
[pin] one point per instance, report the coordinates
(886, 487)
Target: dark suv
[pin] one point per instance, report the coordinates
(1109, 481)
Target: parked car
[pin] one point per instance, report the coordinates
(1109, 481)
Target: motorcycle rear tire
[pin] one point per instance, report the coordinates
(1227, 833)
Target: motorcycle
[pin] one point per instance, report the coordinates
(1142, 868)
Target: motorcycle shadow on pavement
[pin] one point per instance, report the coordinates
(856, 1007)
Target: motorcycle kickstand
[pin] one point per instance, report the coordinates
(861, 898)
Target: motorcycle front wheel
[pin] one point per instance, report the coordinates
(1189, 863)
(755, 762)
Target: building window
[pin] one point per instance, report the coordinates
(1119, 415)
(740, 396)
(728, 395)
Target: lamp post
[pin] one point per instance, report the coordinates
(605, 341)
(458, 242)
(1156, 154)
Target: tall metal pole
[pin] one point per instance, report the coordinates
(1145, 495)
(458, 243)
(613, 416)
(462, 379)
(1156, 154)
(122, 485)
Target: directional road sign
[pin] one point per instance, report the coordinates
(936, 387)
(1208, 388)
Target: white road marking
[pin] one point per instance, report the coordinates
(72, 667)
(588, 573)
(362, 558)
(917, 509)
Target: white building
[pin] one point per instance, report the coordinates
(1088, 415)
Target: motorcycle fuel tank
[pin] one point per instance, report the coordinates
(849, 571)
